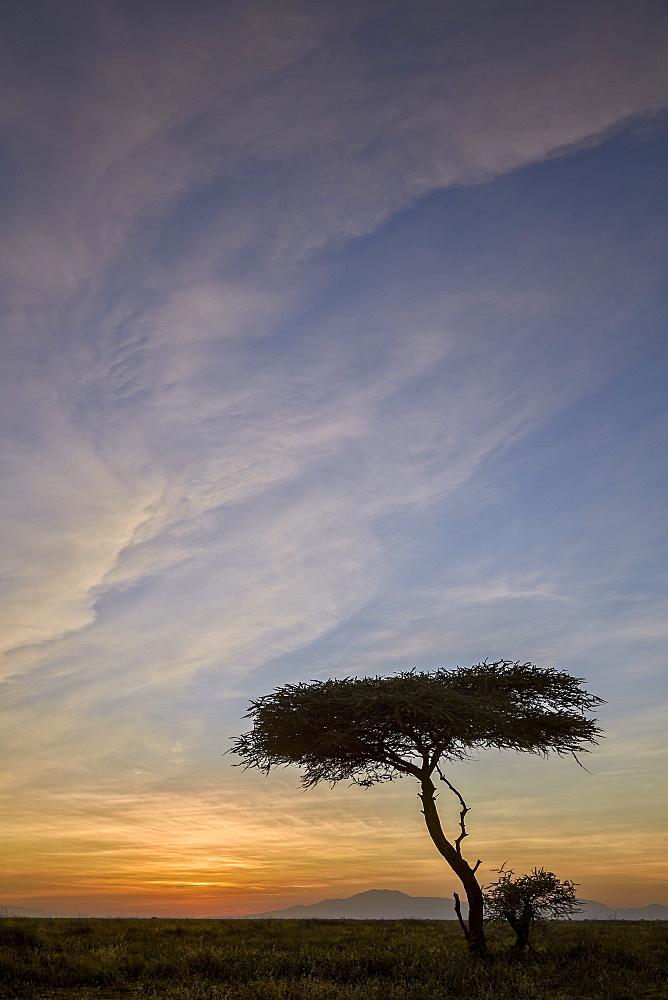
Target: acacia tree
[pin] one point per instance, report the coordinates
(524, 900)
(371, 729)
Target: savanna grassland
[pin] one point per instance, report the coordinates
(324, 960)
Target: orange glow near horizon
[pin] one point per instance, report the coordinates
(221, 855)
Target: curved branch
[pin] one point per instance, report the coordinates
(462, 815)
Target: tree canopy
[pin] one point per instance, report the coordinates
(370, 729)
(366, 730)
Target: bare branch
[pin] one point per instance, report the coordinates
(462, 815)
(458, 911)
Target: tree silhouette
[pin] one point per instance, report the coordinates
(524, 900)
(371, 729)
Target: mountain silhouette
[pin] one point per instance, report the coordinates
(390, 904)
(375, 904)
(9, 910)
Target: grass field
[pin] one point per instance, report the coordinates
(324, 960)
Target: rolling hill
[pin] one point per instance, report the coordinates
(389, 904)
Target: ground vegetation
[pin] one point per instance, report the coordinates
(43, 959)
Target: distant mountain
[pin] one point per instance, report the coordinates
(375, 904)
(9, 910)
(592, 910)
(389, 904)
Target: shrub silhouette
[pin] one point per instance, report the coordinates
(524, 900)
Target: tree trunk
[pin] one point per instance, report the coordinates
(521, 925)
(522, 932)
(475, 931)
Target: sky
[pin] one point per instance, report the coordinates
(333, 344)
